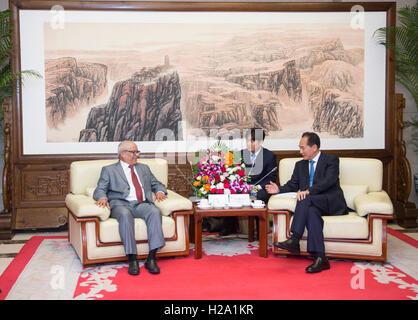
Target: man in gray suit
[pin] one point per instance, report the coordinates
(126, 189)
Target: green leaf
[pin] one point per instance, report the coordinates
(403, 40)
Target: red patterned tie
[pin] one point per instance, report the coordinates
(137, 186)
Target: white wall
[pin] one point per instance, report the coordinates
(4, 4)
(410, 110)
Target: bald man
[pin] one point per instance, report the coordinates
(126, 188)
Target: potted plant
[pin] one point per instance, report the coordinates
(403, 40)
(7, 77)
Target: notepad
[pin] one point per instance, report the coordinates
(286, 195)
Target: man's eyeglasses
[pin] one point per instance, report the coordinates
(133, 152)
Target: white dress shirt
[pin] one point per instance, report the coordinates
(255, 156)
(316, 161)
(132, 192)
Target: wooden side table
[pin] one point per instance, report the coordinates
(249, 212)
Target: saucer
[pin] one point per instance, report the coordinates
(257, 207)
(217, 206)
(204, 207)
(235, 205)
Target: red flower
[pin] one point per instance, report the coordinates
(241, 173)
(217, 178)
(223, 169)
(219, 191)
(213, 190)
(226, 185)
(233, 191)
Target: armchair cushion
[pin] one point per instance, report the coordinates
(352, 191)
(174, 202)
(349, 226)
(373, 202)
(286, 201)
(90, 191)
(83, 206)
(283, 201)
(109, 229)
(85, 174)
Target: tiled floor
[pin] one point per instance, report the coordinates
(10, 248)
(413, 233)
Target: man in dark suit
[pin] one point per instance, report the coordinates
(316, 181)
(126, 188)
(260, 163)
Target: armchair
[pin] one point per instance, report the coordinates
(95, 236)
(361, 234)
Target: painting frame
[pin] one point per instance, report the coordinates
(385, 147)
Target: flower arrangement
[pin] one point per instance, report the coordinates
(218, 173)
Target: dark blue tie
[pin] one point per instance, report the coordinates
(252, 158)
(311, 172)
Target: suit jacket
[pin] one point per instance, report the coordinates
(326, 181)
(114, 186)
(264, 163)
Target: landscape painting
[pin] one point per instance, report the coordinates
(140, 81)
(175, 82)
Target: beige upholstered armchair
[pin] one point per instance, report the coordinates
(95, 236)
(361, 234)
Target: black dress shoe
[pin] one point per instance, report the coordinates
(152, 266)
(133, 268)
(289, 245)
(318, 265)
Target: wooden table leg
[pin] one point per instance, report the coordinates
(191, 229)
(250, 228)
(262, 235)
(197, 237)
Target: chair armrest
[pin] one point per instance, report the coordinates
(373, 202)
(84, 206)
(174, 202)
(282, 202)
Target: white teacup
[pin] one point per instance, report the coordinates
(258, 203)
(204, 202)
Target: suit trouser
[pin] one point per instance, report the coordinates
(126, 214)
(308, 213)
(263, 196)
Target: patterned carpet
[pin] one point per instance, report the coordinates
(48, 268)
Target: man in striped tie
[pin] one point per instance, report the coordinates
(126, 188)
(316, 181)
